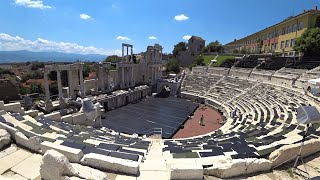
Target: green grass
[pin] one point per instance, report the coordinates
(221, 59)
(207, 59)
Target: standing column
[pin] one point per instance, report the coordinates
(122, 53)
(127, 57)
(46, 87)
(81, 82)
(132, 81)
(131, 54)
(97, 79)
(70, 83)
(123, 83)
(59, 84)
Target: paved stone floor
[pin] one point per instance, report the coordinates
(17, 163)
(192, 126)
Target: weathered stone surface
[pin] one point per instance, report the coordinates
(55, 165)
(88, 172)
(289, 152)
(55, 116)
(13, 159)
(29, 168)
(73, 155)
(5, 152)
(186, 171)
(32, 143)
(5, 138)
(238, 167)
(111, 164)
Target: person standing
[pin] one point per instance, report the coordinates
(201, 120)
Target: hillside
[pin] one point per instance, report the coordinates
(24, 56)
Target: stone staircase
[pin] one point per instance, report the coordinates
(155, 165)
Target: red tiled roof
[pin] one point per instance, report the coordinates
(92, 75)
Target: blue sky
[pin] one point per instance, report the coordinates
(100, 26)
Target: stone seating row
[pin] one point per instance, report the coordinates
(267, 122)
(79, 144)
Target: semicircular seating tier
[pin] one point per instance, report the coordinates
(266, 120)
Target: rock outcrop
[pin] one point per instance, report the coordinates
(5, 138)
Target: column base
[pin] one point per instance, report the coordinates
(49, 106)
(62, 103)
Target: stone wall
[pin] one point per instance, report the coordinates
(89, 85)
(219, 70)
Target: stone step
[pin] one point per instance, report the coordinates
(29, 168)
(13, 159)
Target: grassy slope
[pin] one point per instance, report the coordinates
(221, 59)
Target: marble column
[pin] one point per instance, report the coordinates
(131, 54)
(82, 94)
(70, 83)
(123, 83)
(127, 57)
(46, 86)
(59, 84)
(132, 74)
(122, 53)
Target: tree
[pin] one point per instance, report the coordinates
(181, 46)
(36, 65)
(199, 61)
(87, 69)
(173, 66)
(213, 47)
(309, 42)
(36, 88)
(113, 59)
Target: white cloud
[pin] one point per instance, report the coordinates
(85, 16)
(153, 37)
(32, 4)
(123, 38)
(181, 17)
(186, 37)
(15, 43)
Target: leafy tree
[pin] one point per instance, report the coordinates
(317, 25)
(54, 88)
(36, 65)
(181, 46)
(173, 66)
(36, 88)
(87, 69)
(32, 75)
(113, 59)
(5, 71)
(213, 47)
(309, 42)
(199, 61)
(24, 90)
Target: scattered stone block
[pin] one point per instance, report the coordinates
(73, 155)
(288, 152)
(55, 116)
(56, 166)
(238, 167)
(5, 138)
(32, 143)
(67, 119)
(186, 171)
(111, 164)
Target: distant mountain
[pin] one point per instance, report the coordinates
(24, 56)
